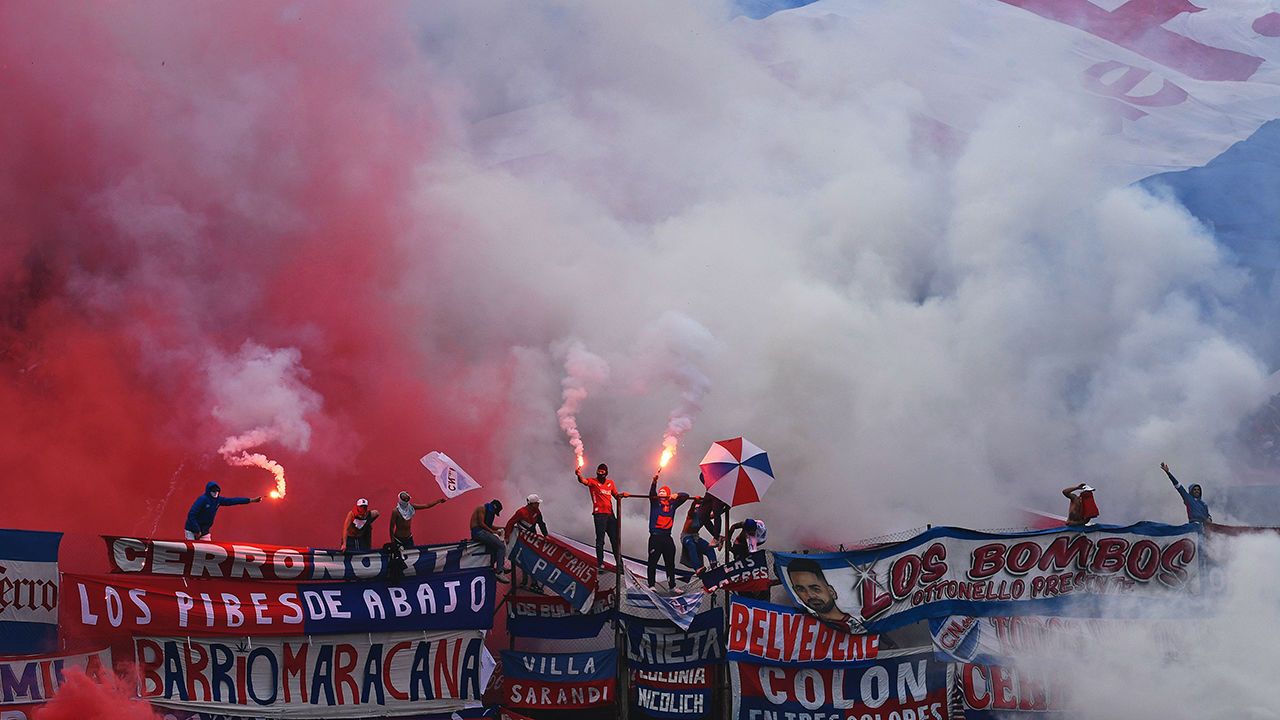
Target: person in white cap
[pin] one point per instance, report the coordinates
(1083, 507)
(402, 518)
(527, 518)
(357, 530)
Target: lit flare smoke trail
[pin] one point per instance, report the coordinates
(236, 452)
(583, 369)
(685, 345)
(263, 389)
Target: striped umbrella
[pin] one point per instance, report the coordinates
(736, 471)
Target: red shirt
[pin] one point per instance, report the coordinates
(524, 517)
(601, 496)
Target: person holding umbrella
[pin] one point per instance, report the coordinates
(603, 491)
(696, 548)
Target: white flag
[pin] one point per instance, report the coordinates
(453, 480)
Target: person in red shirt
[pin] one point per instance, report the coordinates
(603, 491)
(527, 518)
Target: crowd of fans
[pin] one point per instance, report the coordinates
(705, 513)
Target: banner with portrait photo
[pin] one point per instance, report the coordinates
(1088, 572)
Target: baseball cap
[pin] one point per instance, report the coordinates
(533, 498)
(361, 502)
(1087, 488)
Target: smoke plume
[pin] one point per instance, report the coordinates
(920, 321)
(260, 395)
(583, 370)
(107, 697)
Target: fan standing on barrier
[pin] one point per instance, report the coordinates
(603, 491)
(662, 517)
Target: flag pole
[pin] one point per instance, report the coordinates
(726, 691)
(621, 686)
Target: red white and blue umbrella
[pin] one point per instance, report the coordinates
(736, 471)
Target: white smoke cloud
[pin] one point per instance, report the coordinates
(917, 331)
(583, 371)
(1215, 663)
(260, 397)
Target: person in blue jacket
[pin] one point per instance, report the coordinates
(205, 509)
(1197, 508)
(662, 517)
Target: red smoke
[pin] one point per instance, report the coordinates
(83, 698)
(178, 180)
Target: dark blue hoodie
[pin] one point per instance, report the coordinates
(1197, 509)
(205, 509)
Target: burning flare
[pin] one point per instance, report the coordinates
(236, 452)
(581, 461)
(668, 452)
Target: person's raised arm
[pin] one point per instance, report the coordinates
(1068, 492)
(1172, 479)
(238, 500)
(424, 506)
(581, 479)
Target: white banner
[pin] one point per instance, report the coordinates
(338, 676)
(29, 681)
(453, 480)
(953, 571)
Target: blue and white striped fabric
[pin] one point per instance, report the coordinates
(28, 591)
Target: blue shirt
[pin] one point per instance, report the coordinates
(1197, 509)
(662, 512)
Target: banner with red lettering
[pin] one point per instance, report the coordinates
(245, 561)
(352, 676)
(1006, 640)
(27, 682)
(993, 691)
(908, 686)
(172, 606)
(778, 635)
(1089, 571)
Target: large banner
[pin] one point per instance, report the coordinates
(762, 632)
(355, 676)
(233, 561)
(557, 567)
(1005, 640)
(750, 574)
(28, 591)
(674, 694)
(561, 681)
(992, 691)
(951, 571)
(654, 644)
(171, 606)
(28, 682)
(909, 686)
